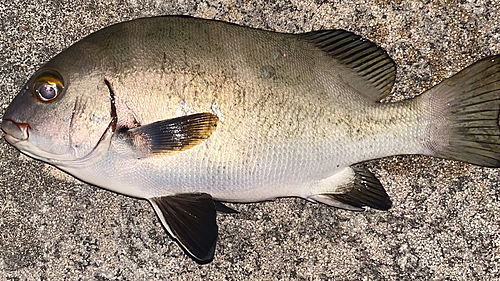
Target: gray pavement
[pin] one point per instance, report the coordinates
(445, 223)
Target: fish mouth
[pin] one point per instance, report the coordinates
(18, 134)
(15, 132)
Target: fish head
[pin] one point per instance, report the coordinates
(62, 113)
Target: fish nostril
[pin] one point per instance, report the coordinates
(15, 131)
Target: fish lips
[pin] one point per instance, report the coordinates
(15, 132)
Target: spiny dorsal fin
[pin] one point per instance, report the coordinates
(364, 57)
(190, 219)
(176, 134)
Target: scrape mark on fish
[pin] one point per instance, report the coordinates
(268, 71)
(217, 111)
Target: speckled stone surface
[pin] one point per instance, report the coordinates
(445, 223)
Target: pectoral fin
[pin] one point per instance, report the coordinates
(190, 219)
(175, 134)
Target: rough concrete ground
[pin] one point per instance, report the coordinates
(445, 221)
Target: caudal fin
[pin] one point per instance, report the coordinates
(464, 112)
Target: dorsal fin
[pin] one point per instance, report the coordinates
(365, 58)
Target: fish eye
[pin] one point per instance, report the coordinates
(47, 85)
(47, 91)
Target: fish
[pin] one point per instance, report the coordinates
(190, 113)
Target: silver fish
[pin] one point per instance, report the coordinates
(187, 112)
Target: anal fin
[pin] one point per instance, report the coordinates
(191, 220)
(353, 189)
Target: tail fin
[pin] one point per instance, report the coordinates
(464, 112)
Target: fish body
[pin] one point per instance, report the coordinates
(278, 131)
(183, 111)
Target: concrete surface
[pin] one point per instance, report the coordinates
(444, 225)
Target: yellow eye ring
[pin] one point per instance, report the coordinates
(47, 85)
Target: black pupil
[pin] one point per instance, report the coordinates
(48, 91)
